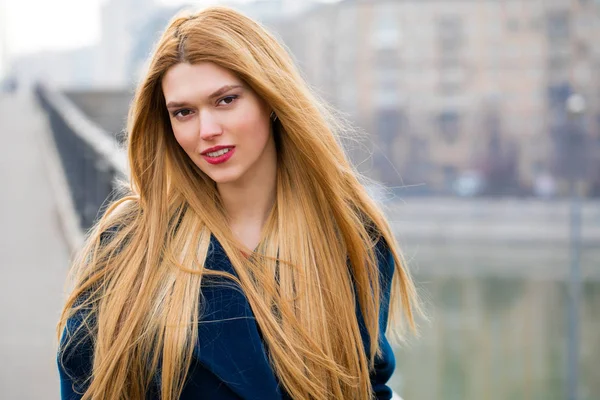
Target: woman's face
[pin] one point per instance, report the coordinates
(222, 125)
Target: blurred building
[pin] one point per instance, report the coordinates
(122, 23)
(449, 87)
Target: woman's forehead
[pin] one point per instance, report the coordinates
(202, 80)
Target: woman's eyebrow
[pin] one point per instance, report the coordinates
(217, 93)
(222, 90)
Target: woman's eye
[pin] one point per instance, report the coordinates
(182, 113)
(228, 100)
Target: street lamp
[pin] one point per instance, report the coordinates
(575, 106)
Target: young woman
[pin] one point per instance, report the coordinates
(246, 261)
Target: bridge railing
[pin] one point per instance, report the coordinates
(91, 158)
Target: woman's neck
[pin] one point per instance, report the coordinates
(248, 204)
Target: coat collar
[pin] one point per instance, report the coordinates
(229, 341)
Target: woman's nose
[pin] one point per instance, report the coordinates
(209, 126)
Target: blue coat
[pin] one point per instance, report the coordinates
(230, 358)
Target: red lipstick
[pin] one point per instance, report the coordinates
(220, 158)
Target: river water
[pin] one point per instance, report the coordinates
(497, 326)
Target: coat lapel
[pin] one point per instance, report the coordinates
(229, 341)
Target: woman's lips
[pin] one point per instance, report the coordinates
(219, 159)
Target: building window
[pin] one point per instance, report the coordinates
(450, 32)
(386, 33)
(451, 40)
(449, 122)
(557, 26)
(386, 88)
(390, 124)
(557, 97)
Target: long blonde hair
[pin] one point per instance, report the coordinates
(140, 285)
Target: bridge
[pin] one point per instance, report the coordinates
(34, 255)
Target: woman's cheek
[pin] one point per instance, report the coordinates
(254, 127)
(186, 140)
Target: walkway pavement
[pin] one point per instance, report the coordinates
(33, 256)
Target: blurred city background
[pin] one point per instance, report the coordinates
(481, 123)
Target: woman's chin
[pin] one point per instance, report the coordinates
(224, 178)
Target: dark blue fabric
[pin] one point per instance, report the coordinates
(230, 359)
(385, 364)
